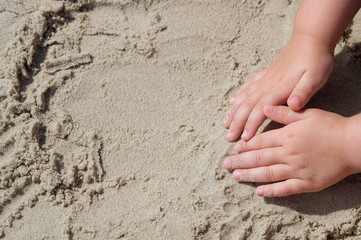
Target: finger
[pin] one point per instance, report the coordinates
(244, 94)
(256, 77)
(304, 90)
(254, 121)
(280, 114)
(271, 173)
(257, 116)
(281, 189)
(235, 106)
(254, 159)
(241, 96)
(237, 125)
(240, 91)
(268, 139)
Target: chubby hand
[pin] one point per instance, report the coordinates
(307, 155)
(300, 70)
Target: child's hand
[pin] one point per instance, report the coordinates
(300, 70)
(309, 154)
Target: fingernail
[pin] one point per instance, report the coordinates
(230, 135)
(296, 101)
(226, 120)
(260, 191)
(227, 164)
(244, 134)
(270, 109)
(237, 147)
(237, 175)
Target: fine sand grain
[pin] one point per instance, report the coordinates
(110, 121)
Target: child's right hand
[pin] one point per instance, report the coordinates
(300, 70)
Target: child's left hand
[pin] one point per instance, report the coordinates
(307, 155)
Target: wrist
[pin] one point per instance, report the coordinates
(352, 142)
(312, 42)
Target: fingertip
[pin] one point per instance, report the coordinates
(249, 135)
(269, 110)
(260, 191)
(245, 135)
(224, 122)
(227, 121)
(295, 103)
(238, 147)
(237, 175)
(227, 164)
(230, 136)
(231, 101)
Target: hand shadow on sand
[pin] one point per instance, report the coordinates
(342, 95)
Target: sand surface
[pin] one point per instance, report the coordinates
(110, 121)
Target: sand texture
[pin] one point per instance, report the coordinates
(110, 121)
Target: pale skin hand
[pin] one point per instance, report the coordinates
(310, 153)
(300, 70)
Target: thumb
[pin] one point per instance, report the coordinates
(281, 114)
(304, 90)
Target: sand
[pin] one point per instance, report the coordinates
(110, 121)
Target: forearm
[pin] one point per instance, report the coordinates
(325, 20)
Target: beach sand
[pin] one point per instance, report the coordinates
(110, 121)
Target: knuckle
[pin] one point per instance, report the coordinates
(269, 174)
(251, 89)
(258, 158)
(289, 136)
(238, 120)
(249, 101)
(286, 189)
(305, 91)
(259, 106)
(286, 112)
(237, 100)
(283, 112)
(232, 112)
(259, 141)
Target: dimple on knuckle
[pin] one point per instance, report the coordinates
(259, 106)
(289, 135)
(301, 165)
